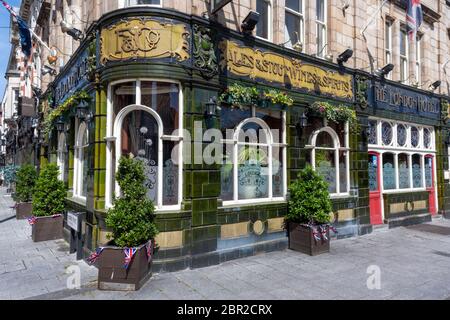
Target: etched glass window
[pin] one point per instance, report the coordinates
(403, 171)
(389, 174)
(417, 171)
(428, 172)
(373, 136)
(386, 133)
(427, 138)
(373, 172)
(415, 137)
(401, 135)
(326, 167)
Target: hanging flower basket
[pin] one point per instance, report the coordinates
(336, 114)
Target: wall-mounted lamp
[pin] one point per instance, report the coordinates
(35, 123)
(250, 22)
(211, 108)
(382, 72)
(48, 70)
(71, 31)
(60, 124)
(344, 56)
(301, 125)
(435, 85)
(83, 112)
(3, 142)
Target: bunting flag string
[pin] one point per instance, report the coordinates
(323, 232)
(149, 249)
(129, 254)
(316, 233)
(32, 220)
(94, 256)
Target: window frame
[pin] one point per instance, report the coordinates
(311, 147)
(418, 63)
(404, 59)
(78, 185)
(270, 146)
(322, 49)
(126, 4)
(407, 149)
(61, 155)
(113, 137)
(301, 32)
(269, 21)
(388, 44)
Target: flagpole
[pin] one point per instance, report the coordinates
(373, 17)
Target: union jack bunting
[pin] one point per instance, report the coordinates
(129, 254)
(32, 220)
(149, 246)
(94, 256)
(323, 231)
(316, 233)
(414, 17)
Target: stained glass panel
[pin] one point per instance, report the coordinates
(170, 173)
(401, 135)
(373, 172)
(226, 173)
(277, 172)
(417, 171)
(342, 172)
(415, 137)
(373, 139)
(386, 133)
(403, 169)
(325, 166)
(428, 172)
(253, 172)
(427, 138)
(388, 171)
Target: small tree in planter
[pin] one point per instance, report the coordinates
(49, 202)
(308, 215)
(25, 181)
(125, 264)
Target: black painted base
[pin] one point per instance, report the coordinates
(409, 220)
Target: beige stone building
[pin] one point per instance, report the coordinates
(325, 28)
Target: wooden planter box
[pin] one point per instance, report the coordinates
(23, 210)
(301, 239)
(47, 228)
(112, 275)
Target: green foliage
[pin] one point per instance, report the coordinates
(9, 173)
(26, 180)
(49, 196)
(337, 114)
(132, 217)
(309, 199)
(239, 96)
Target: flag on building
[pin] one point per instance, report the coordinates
(24, 30)
(414, 17)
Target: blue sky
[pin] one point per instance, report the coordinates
(5, 46)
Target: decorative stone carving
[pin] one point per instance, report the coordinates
(205, 58)
(361, 91)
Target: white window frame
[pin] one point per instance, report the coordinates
(126, 4)
(322, 51)
(79, 158)
(270, 145)
(61, 158)
(388, 44)
(408, 149)
(269, 21)
(337, 149)
(114, 126)
(419, 60)
(301, 32)
(404, 59)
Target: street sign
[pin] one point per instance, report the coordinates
(74, 220)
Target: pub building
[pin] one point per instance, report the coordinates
(154, 74)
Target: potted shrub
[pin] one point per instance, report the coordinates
(308, 215)
(125, 263)
(25, 181)
(49, 198)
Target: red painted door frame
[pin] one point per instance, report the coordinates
(375, 197)
(432, 190)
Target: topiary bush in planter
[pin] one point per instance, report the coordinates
(49, 203)
(125, 264)
(308, 215)
(25, 181)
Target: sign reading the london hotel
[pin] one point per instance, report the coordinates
(271, 67)
(141, 38)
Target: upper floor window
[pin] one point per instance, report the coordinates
(419, 60)
(264, 26)
(321, 27)
(294, 22)
(404, 49)
(129, 3)
(388, 44)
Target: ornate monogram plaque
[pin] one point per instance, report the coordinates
(138, 38)
(245, 61)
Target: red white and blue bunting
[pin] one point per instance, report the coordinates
(321, 232)
(32, 220)
(94, 256)
(129, 254)
(149, 250)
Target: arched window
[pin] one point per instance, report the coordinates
(330, 159)
(61, 158)
(146, 121)
(254, 157)
(81, 169)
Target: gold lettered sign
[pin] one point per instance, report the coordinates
(139, 38)
(245, 61)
